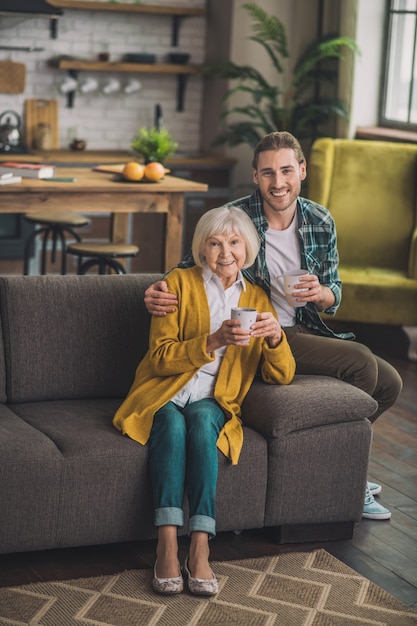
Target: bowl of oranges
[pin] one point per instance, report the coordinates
(135, 172)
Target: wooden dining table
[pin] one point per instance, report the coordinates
(101, 192)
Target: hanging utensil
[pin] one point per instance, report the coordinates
(10, 134)
(12, 77)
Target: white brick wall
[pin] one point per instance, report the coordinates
(109, 122)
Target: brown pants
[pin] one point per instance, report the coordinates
(349, 361)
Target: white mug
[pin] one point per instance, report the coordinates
(132, 86)
(246, 316)
(111, 86)
(291, 278)
(68, 85)
(89, 85)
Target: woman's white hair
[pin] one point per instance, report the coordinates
(225, 220)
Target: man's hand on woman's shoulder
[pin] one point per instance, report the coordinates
(158, 300)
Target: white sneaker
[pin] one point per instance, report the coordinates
(372, 509)
(374, 488)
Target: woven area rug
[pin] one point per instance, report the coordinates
(294, 589)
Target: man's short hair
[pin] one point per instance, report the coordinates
(277, 141)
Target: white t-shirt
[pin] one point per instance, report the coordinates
(282, 254)
(220, 303)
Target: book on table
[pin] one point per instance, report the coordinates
(9, 180)
(27, 170)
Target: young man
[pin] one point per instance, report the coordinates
(298, 233)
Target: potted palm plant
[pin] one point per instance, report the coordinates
(291, 103)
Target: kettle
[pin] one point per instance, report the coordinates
(9, 130)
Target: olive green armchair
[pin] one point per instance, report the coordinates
(370, 188)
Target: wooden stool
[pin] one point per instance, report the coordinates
(103, 255)
(54, 226)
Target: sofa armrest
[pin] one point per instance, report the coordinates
(320, 170)
(309, 401)
(412, 259)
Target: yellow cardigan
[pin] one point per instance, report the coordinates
(177, 350)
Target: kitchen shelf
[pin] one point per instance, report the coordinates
(177, 13)
(143, 68)
(182, 72)
(127, 7)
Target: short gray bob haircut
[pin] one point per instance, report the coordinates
(225, 220)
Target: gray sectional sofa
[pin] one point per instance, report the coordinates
(69, 346)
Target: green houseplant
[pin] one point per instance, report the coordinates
(152, 144)
(293, 103)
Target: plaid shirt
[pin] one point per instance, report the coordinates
(319, 255)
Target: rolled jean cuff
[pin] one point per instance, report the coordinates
(202, 523)
(169, 516)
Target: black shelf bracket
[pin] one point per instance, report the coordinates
(181, 85)
(71, 94)
(53, 27)
(176, 23)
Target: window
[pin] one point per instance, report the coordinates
(399, 89)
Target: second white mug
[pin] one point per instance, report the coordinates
(89, 85)
(290, 279)
(132, 86)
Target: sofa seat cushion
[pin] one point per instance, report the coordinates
(308, 402)
(104, 480)
(30, 494)
(368, 290)
(242, 488)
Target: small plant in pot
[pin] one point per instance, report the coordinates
(151, 144)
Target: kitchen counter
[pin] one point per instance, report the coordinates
(97, 157)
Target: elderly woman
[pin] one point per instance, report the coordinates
(188, 389)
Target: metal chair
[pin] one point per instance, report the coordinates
(103, 255)
(53, 227)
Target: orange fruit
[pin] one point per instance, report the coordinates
(154, 171)
(133, 171)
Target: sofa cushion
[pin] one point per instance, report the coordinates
(310, 401)
(30, 486)
(105, 481)
(73, 336)
(241, 488)
(389, 291)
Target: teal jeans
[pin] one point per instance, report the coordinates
(183, 451)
